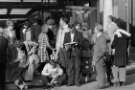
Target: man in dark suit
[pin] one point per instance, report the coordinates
(73, 59)
(3, 57)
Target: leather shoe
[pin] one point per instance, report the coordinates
(101, 87)
(69, 84)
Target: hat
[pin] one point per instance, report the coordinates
(27, 23)
(50, 22)
(34, 21)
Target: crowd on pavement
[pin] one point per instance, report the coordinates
(64, 54)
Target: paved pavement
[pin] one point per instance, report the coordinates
(130, 84)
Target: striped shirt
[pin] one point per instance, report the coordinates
(43, 43)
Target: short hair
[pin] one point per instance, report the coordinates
(111, 17)
(65, 19)
(27, 23)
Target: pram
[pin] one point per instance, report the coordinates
(22, 64)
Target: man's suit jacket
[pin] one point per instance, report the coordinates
(77, 37)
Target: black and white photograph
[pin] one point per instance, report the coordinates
(67, 44)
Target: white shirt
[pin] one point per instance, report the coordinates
(61, 36)
(72, 37)
(24, 31)
(48, 70)
(99, 34)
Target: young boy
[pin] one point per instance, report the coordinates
(53, 74)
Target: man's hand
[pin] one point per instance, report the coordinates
(67, 47)
(53, 81)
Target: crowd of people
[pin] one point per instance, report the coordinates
(71, 55)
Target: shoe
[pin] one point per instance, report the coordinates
(116, 84)
(122, 83)
(101, 87)
(110, 84)
(69, 84)
(78, 84)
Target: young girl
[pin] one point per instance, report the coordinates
(22, 66)
(33, 60)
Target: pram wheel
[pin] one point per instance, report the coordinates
(25, 87)
(22, 87)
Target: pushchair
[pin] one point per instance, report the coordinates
(22, 65)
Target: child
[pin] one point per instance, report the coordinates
(33, 59)
(22, 66)
(53, 74)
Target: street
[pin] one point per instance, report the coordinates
(130, 85)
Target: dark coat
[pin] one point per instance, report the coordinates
(120, 44)
(73, 58)
(3, 49)
(77, 38)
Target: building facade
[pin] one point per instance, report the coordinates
(124, 12)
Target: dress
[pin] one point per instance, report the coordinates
(43, 43)
(33, 64)
(33, 60)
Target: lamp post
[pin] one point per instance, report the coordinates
(107, 11)
(127, 15)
